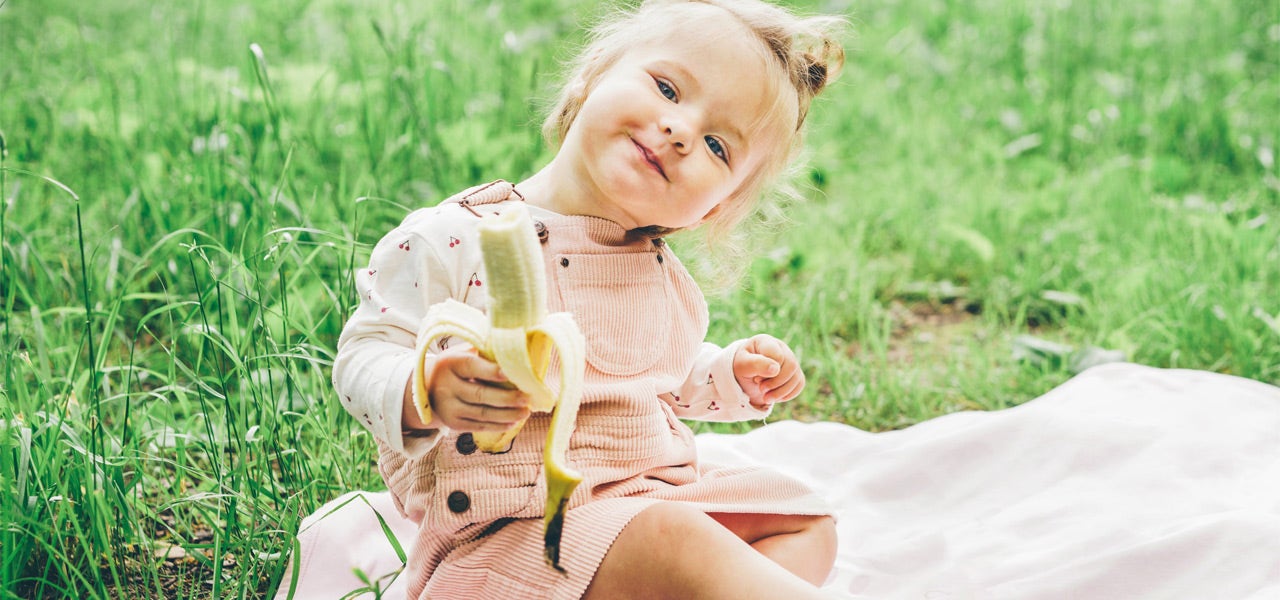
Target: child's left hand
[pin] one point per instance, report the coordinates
(767, 370)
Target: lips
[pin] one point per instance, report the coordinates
(651, 158)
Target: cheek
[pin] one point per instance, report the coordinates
(718, 183)
(591, 124)
(706, 201)
(598, 114)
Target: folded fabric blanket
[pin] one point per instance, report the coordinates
(1125, 482)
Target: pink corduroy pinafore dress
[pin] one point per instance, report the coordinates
(644, 318)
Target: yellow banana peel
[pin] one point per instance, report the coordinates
(519, 336)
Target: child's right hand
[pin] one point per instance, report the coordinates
(469, 393)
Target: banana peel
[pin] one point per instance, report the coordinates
(520, 336)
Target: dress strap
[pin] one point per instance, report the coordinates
(489, 193)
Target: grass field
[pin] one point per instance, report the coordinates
(187, 187)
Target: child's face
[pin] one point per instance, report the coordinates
(671, 129)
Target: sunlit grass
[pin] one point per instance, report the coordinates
(181, 216)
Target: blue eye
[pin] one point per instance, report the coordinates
(666, 90)
(717, 148)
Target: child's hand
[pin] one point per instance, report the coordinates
(469, 393)
(767, 370)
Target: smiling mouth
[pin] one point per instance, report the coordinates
(651, 158)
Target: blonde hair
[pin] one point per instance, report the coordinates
(800, 51)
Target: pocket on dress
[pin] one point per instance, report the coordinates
(623, 306)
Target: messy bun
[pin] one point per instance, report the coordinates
(807, 48)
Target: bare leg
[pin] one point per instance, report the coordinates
(802, 544)
(673, 551)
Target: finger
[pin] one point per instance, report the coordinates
(494, 409)
(786, 370)
(768, 345)
(779, 352)
(754, 365)
(493, 419)
(478, 427)
(787, 389)
(479, 369)
(494, 396)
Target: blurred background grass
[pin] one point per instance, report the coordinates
(181, 216)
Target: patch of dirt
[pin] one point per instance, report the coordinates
(924, 329)
(178, 571)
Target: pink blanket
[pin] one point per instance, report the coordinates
(1125, 482)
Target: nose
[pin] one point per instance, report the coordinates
(678, 131)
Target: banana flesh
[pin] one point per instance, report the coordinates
(520, 337)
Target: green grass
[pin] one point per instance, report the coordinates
(181, 216)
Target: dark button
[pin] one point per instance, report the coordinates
(459, 502)
(659, 259)
(543, 234)
(564, 262)
(466, 444)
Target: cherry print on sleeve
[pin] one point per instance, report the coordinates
(474, 281)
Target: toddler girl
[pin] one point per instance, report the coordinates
(677, 114)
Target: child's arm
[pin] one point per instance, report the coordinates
(376, 351)
(377, 355)
(739, 382)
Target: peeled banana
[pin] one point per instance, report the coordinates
(519, 336)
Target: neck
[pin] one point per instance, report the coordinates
(562, 192)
